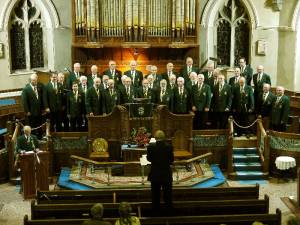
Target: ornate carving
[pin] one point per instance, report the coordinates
(61, 144)
(285, 144)
(210, 141)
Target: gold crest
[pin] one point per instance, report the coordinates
(99, 145)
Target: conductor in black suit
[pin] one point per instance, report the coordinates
(161, 156)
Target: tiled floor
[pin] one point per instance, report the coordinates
(14, 207)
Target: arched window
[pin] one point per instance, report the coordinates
(26, 37)
(233, 30)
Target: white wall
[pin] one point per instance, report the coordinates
(60, 37)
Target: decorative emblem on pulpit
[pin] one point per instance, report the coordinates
(99, 146)
(141, 110)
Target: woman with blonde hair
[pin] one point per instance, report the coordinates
(125, 215)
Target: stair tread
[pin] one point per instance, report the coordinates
(245, 155)
(249, 173)
(248, 164)
(240, 148)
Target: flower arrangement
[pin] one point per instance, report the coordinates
(140, 136)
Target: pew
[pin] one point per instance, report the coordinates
(243, 219)
(135, 195)
(144, 209)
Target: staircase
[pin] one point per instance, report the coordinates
(246, 161)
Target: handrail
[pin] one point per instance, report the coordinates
(231, 127)
(16, 131)
(197, 158)
(230, 146)
(262, 144)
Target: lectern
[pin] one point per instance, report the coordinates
(34, 173)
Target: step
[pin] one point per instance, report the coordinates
(250, 175)
(244, 150)
(243, 142)
(255, 166)
(246, 158)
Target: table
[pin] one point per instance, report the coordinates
(132, 153)
(285, 166)
(285, 162)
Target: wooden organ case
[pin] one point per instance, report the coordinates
(152, 32)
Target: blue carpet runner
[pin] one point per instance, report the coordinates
(64, 182)
(247, 165)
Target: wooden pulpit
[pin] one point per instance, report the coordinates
(34, 173)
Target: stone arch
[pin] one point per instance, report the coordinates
(296, 18)
(211, 11)
(47, 9)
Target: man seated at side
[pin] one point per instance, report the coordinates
(26, 142)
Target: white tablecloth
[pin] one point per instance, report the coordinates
(285, 162)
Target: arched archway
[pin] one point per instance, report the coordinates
(208, 35)
(296, 27)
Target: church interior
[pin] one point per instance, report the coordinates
(89, 84)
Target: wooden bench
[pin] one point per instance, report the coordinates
(243, 219)
(144, 195)
(144, 209)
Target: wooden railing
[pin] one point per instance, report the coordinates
(262, 145)
(230, 145)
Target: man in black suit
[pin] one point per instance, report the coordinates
(209, 72)
(170, 71)
(104, 84)
(188, 68)
(213, 80)
(63, 84)
(113, 73)
(112, 96)
(234, 81)
(172, 82)
(191, 81)
(145, 91)
(164, 96)
(280, 110)
(53, 101)
(74, 76)
(128, 92)
(200, 98)
(135, 75)
(264, 105)
(161, 156)
(32, 96)
(92, 76)
(27, 141)
(258, 80)
(94, 100)
(181, 98)
(242, 104)
(156, 77)
(83, 88)
(246, 70)
(221, 103)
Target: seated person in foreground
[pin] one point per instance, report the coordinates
(26, 142)
(97, 216)
(125, 215)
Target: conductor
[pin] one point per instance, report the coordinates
(160, 154)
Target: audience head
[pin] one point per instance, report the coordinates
(94, 69)
(105, 78)
(260, 69)
(153, 69)
(280, 91)
(97, 211)
(266, 87)
(170, 66)
(293, 221)
(27, 130)
(77, 67)
(83, 80)
(61, 78)
(145, 83)
(172, 79)
(111, 83)
(257, 223)
(112, 64)
(97, 82)
(180, 81)
(193, 76)
(133, 64)
(75, 86)
(237, 72)
(123, 78)
(127, 81)
(125, 210)
(210, 67)
(189, 61)
(242, 62)
(163, 84)
(221, 78)
(33, 79)
(159, 135)
(200, 78)
(242, 81)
